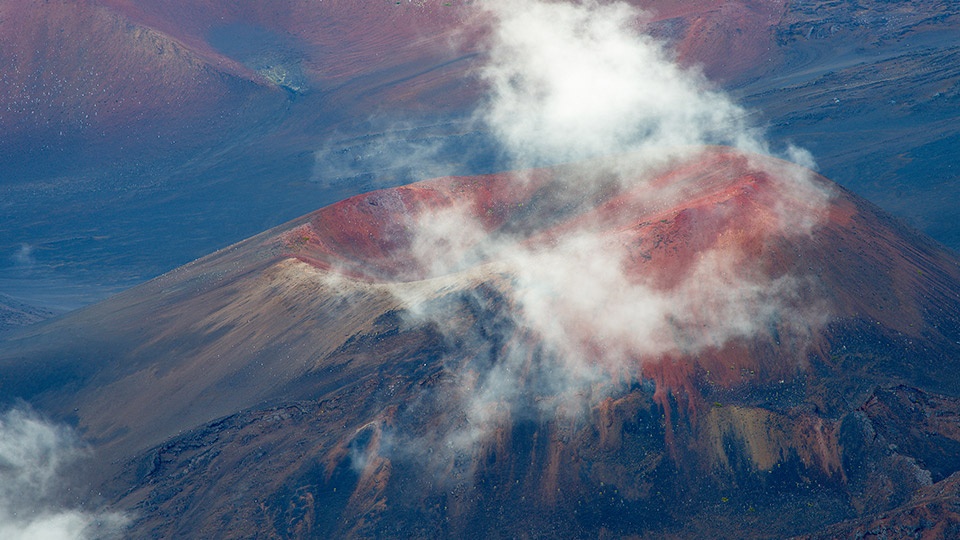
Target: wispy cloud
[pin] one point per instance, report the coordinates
(570, 80)
(578, 312)
(23, 257)
(35, 455)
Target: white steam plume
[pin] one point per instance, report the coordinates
(571, 80)
(33, 455)
(574, 81)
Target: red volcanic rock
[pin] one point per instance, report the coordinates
(332, 378)
(731, 40)
(718, 191)
(76, 65)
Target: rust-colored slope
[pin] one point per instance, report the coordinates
(732, 41)
(78, 69)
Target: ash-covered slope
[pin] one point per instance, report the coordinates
(721, 345)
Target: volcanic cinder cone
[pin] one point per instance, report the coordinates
(712, 349)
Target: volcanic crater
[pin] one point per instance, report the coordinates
(326, 378)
